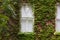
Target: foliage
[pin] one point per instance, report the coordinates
(9, 19)
(26, 36)
(44, 12)
(3, 25)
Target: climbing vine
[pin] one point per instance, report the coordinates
(44, 26)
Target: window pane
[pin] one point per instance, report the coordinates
(26, 25)
(58, 12)
(57, 25)
(26, 11)
(58, 18)
(27, 19)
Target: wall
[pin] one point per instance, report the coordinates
(44, 26)
(45, 19)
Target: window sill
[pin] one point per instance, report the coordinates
(56, 33)
(32, 33)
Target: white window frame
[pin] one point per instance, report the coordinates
(57, 20)
(26, 18)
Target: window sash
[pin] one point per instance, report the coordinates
(57, 21)
(26, 11)
(27, 25)
(27, 19)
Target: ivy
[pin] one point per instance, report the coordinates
(44, 23)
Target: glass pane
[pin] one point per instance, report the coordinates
(26, 11)
(57, 25)
(27, 19)
(58, 18)
(58, 12)
(27, 25)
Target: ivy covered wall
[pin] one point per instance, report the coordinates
(44, 26)
(44, 11)
(45, 19)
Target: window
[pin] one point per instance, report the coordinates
(58, 18)
(27, 19)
